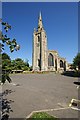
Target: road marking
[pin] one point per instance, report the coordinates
(74, 108)
(15, 84)
(74, 104)
(63, 105)
(46, 110)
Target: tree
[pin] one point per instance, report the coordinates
(12, 45)
(76, 61)
(27, 62)
(5, 56)
(6, 62)
(19, 64)
(4, 39)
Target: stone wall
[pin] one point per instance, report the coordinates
(40, 55)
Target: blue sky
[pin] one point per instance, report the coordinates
(0, 14)
(60, 20)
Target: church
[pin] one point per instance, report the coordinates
(42, 58)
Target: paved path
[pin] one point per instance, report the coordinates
(31, 92)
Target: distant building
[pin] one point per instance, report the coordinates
(42, 58)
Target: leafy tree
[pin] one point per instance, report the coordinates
(5, 56)
(30, 68)
(76, 61)
(4, 39)
(6, 62)
(27, 62)
(12, 45)
(19, 64)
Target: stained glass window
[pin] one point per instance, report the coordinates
(50, 60)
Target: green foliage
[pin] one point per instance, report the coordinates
(6, 61)
(19, 64)
(76, 61)
(5, 76)
(72, 67)
(43, 116)
(5, 56)
(30, 68)
(11, 43)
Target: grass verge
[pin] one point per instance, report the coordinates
(42, 116)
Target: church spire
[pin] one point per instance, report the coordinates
(40, 17)
(40, 25)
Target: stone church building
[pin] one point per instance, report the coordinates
(42, 58)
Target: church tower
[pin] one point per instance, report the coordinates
(40, 52)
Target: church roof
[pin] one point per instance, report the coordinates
(54, 51)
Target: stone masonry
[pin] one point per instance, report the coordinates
(42, 58)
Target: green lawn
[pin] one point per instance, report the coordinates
(42, 116)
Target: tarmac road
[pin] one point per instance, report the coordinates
(31, 92)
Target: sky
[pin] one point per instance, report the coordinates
(0, 14)
(60, 21)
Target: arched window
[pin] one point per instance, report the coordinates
(64, 65)
(50, 60)
(61, 63)
(39, 37)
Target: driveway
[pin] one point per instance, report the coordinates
(31, 92)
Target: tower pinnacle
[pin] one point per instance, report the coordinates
(40, 16)
(40, 25)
